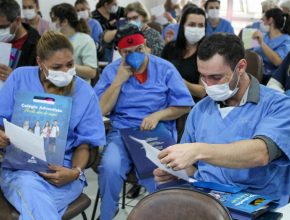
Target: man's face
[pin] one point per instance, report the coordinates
(213, 5)
(125, 51)
(214, 71)
(4, 24)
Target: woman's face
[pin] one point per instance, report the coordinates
(134, 16)
(61, 60)
(81, 7)
(194, 20)
(29, 4)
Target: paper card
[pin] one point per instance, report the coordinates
(152, 154)
(248, 40)
(5, 49)
(25, 140)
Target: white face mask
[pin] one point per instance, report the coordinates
(60, 78)
(84, 15)
(55, 27)
(221, 92)
(213, 13)
(5, 35)
(29, 14)
(114, 9)
(194, 34)
(175, 2)
(264, 28)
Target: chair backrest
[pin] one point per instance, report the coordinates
(179, 204)
(255, 64)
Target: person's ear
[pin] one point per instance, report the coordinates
(242, 66)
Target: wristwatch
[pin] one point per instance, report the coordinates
(81, 173)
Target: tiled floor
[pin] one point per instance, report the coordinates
(91, 191)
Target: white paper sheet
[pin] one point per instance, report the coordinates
(158, 12)
(248, 40)
(152, 154)
(25, 140)
(5, 49)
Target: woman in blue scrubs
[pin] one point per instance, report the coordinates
(137, 91)
(47, 195)
(274, 45)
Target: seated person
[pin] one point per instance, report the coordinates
(32, 16)
(85, 53)
(83, 9)
(20, 35)
(214, 23)
(47, 195)
(137, 14)
(108, 14)
(239, 134)
(169, 33)
(182, 53)
(280, 80)
(274, 45)
(138, 90)
(266, 5)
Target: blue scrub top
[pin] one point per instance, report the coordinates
(280, 45)
(174, 27)
(282, 74)
(269, 117)
(224, 26)
(164, 88)
(96, 30)
(86, 123)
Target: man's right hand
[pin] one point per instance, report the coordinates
(124, 72)
(162, 176)
(4, 140)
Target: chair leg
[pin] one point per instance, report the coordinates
(84, 216)
(96, 205)
(124, 195)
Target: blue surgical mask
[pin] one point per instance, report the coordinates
(138, 23)
(135, 59)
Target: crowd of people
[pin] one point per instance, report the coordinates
(189, 76)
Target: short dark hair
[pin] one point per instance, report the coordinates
(126, 30)
(208, 1)
(229, 46)
(9, 9)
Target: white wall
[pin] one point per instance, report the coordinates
(45, 5)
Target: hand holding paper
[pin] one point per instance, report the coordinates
(152, 154)
(25, 140)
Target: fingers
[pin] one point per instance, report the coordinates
(4, 140)
(148, 124)
(162, 176)
(49, 175)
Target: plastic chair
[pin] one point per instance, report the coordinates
(179, 204)
(255, 65)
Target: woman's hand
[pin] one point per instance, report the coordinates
(4, 140)
(258, 36)
(61, 176)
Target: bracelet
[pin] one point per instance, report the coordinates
(79, 170)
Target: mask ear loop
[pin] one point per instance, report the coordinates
(238, 76)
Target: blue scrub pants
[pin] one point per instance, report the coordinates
(35, 198)
(113, 169)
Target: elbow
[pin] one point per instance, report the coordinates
(93, 73)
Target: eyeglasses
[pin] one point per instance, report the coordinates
(133, 18)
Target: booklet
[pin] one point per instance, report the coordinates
(159, 138)
(46, 117)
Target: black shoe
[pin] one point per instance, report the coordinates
(134, 192)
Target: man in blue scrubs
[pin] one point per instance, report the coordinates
(138, 90)
(214, 22)
(239, 134)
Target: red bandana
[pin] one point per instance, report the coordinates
(131, 41)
